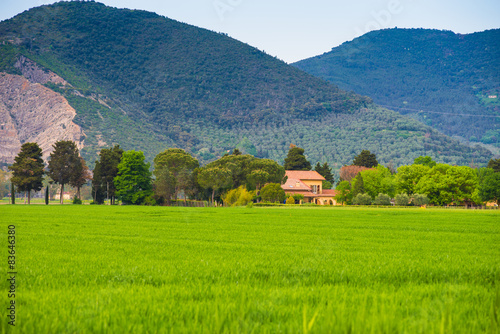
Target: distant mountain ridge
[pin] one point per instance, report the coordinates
(147, 83)
(446, 80)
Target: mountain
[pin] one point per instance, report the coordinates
(147, 82)
(445, 80)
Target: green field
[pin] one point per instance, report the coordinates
(123, 269)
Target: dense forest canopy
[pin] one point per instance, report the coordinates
(448, 81)
(147, 83)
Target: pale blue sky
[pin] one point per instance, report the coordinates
(296, 29)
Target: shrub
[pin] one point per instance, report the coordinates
(273, 192)
(382, 199)
(149, 200)
(362, 199)
(238, 197)
(290, 200)
(268, 204)
(298, 198)
(76, 200)
(250, 205)
(402, 200)
(420, 199)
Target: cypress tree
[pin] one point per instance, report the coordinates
(12, 193)
(359, 186)
(47, 195)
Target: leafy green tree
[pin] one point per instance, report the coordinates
(343, 192)
(27, 170)
(262, 171)
(273, 193)
(64, 164)
(295, 160)
(214, 178)
(378, 180)
(426, 161)
(365, 159)
(494, 164)
(444, 184)
(408, 177)
(180, 165)
(133, 182)
(489, 185)
(237, 165)
(326, 185)
(105, 171)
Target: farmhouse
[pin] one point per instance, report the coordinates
(309, 184)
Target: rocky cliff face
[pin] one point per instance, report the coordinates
(37, 74)
(31, 112)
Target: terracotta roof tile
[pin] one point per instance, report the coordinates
(295, 184)
(304, 175)
(331, 192)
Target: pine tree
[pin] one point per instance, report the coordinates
(296, 160)
(64, 163)
(365, 159)
(27, 170)
(325, 171)
(105, 171)
(359, 187)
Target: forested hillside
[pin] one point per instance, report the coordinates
(445, 80)
(147, 83)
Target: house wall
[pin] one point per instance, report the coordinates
(325, 201)
(314, 183)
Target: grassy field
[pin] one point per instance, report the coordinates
(124, 269)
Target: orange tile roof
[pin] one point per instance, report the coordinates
(294, 185)
(328, 193)
(304, 175)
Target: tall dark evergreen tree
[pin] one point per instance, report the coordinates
(494, 164)
(365, 159)
(12, 193)
(325, 171)
(359, 186)
(105, 171)
(64, 163)
(27, 170)
(295, 160)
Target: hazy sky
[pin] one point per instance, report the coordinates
(293, 30)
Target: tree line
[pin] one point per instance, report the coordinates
(238, 179)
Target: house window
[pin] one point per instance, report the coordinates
(314, 189)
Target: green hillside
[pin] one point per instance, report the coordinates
(147, 82)
(445, 80)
